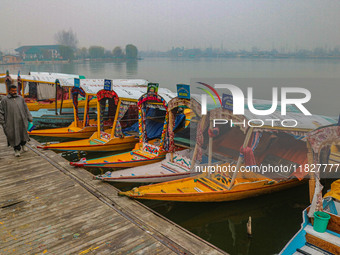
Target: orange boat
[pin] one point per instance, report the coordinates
(320, 229)
(271, 158)
(88, 89)
(177, 164)
(149, 150)
(40, 91)
(116, 108)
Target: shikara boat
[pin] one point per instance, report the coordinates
(155, 172)
(150, 149)
(45, 99)
(46, 118)
(40, 91)
(88, 89)
(177, 164)
(261, 148)
(116, 108)
(310, 239)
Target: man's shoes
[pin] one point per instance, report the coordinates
(17, 153)
(24, 148)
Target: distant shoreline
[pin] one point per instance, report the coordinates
(106, 60)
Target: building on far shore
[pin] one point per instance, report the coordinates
(10, 60)
(40, 53)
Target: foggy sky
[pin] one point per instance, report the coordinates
(159, 25)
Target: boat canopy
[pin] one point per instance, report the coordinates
(44, 77)
(160, 100)
(122, 87)
(128, 92)
(36, 80)
(321, 137)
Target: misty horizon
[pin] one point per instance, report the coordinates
(161, 25)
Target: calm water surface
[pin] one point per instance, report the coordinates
(276, 217)
(321, 77)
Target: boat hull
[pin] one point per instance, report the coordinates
(115, 144)
(144, 178)
(48, 119)
(173, 167)
(68, 103)
(125, 161)
(133, 158)
(64, 132)
(257, 189)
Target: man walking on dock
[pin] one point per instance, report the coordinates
(14, 117)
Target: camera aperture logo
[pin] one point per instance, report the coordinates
(239, 105)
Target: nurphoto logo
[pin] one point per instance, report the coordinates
(238, 102)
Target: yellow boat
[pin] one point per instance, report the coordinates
(149, 150)
(136, 157)
(50, 104)
(40, 91)
(223, 185)
(177, 163)
(75, 130)
(88, 89)
(274, 159)
(212, 189)
(116, 108)
(314, 237)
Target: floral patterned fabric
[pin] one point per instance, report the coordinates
(199, 141)
(173, 105)
(142, 106)
(107, 94)
(75, 93)
(102, 104)
(87, 111)
(164, 136)
(171, 130)
(141, 124)
(122, 110)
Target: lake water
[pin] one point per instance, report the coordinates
(320, 76)
(276, 217)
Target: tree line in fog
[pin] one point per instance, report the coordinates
(69, 50)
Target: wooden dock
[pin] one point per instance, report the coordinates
(49, 207)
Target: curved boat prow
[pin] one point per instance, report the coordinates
(137, 157)
(95, 143)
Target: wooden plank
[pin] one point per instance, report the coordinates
(47, 206)
(332, 248)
